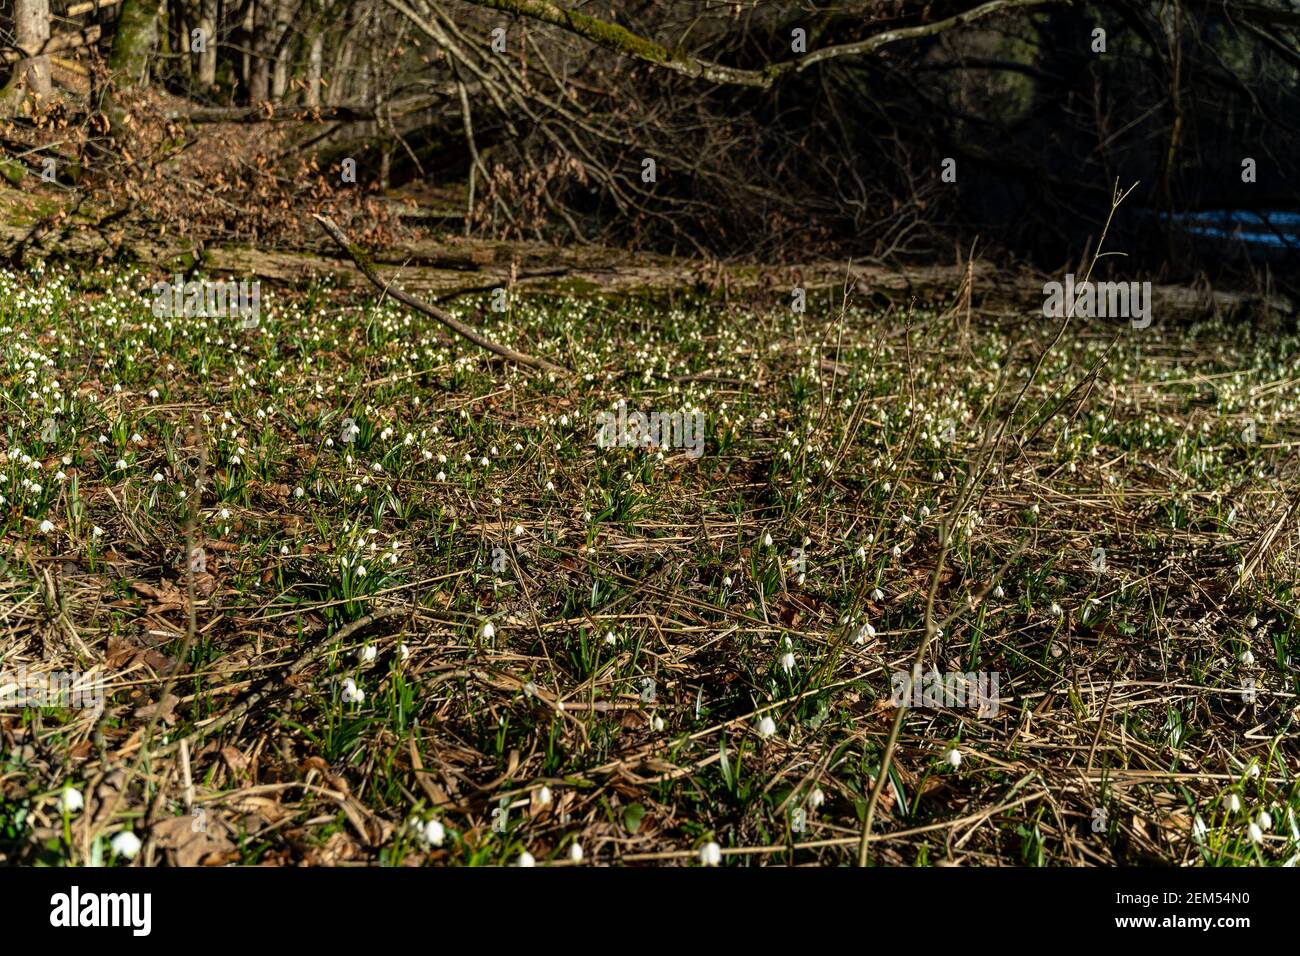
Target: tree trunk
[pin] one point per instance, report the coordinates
(315, 56)
(32, 29)
(245, 44)
(285, 13)
(137, 32)
(178, 36)
(208, 58)
(259, 70)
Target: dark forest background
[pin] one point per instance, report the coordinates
(523, 119)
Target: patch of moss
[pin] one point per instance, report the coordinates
(13, 171)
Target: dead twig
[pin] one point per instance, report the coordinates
(367, 268)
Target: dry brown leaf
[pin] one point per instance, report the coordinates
(196, 840)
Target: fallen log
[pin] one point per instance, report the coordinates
(272, 113)
(362, 261)
(64, 41)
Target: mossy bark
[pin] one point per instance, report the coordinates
(137, 33)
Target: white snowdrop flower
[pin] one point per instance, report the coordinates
(816, 798)
(726, 581)
(656, 723)
(610, 639)
(766, 726)
(787, 662)
(861, 553)
(1232, 802)
(487, 631)
(525, 860)
(550, 486)
(225, 513)
(352, 694)
(367, 654)
(442, 459)
(564, 420)
(121, 464)
(1265, 820)
(864, 632)
(1252, 771)
(575, 852)
(767, 540)
(1034, 509)
(938, 476)
(952, 757)
(484, 462)
(542, 797)
(97, 532)
(137, 439)
(998, 592)
(126, 844)
(519, 529)
(877, 595)
(284, 549)
(925, 511)
(361, 570)
(1255, 833)
(434, 833)
(158, 479)
(441, 476)
(1252, 622)
(1247, 658)
(710, 854)
(428, 455)
(71, 801)
(403, 652)
(1055, 610)
(47, 526)
(60, 477)
(1199, 829)
(298, 492)
(897, 552)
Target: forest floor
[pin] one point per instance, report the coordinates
(358, 592)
